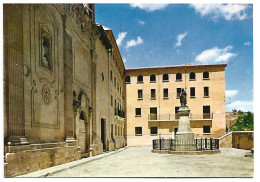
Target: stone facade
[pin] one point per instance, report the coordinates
(56, 86)
(159, 110)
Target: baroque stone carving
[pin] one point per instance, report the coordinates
(46, 94)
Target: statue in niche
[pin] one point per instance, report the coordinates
(183, 97)
(46, 52)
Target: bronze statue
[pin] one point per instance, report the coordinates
(183, 97)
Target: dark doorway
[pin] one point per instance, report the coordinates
(175, 130)
(103, 133)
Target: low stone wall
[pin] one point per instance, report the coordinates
(97, 147)
(119, 143)
(238, 139)
(18, 162)
(243, 140)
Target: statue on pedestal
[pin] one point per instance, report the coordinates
(183, 97)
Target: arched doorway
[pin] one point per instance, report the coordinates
(83, 129)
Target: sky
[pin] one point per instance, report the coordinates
(174, 34)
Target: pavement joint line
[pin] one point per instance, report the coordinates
(55, 169)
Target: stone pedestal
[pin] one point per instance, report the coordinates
(184, 136)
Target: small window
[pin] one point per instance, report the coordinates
(177, 112)
(153, 95)
(206, 129)
(153, 113)
(192, 76)
(206, 91)
(115, 130)
(165, 77)
(127, 79)
(153, 130)
(178, 92)
(112, 130)
(152, 78)
(165, 93)
(138, 111)
(206, 112)
(111, 100)
(111, 75)
(114, 81)
(117, 86)
(178, 76)
(140, 79)
(102, 76)
(138, 130)
(140, 94)
(192, 92)
(205, 75)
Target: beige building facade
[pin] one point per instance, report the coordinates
(152, 97)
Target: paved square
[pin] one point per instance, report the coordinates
(141, 162)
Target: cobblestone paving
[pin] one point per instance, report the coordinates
(141, 162)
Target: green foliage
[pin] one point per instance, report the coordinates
(245, 122)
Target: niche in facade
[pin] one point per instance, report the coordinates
(46, 48)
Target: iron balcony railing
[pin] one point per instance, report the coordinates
(119, 113)
(172, 117)
(200, 144)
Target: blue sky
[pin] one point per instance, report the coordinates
(173, 34)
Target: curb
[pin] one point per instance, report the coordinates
(55, 169)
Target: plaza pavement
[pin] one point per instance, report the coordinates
(141, 162)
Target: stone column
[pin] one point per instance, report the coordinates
(14, 74)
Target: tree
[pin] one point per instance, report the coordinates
(245, 122)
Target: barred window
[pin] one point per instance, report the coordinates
(138, 131)
(154, 130)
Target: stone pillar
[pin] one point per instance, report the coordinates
(14, 74)
(184, 135)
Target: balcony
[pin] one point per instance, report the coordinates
(176, 117)
(119, 113)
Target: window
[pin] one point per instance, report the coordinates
(140, 94)
(153, 113)
(153, 130)
(165, 93)
(114, 81)
(140, 79)
(115, 130)
(152, 78)
(192, 91)
(127, 79)
(177, 112)
(165, 77)
(206, 129)
(153, 94)
(205, 75)
(178, 92)
(206, 91)
(117, 86)
(178, 76)
(206, 112)
(112, 130)
(111, 100)
(102, 76)
(138, 112)
(111, 75)
(138, 130)
(192, 76)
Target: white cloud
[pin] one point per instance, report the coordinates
(241, 105)
(247, 43)
(149, 7)
(215, 55)
(179, 39)
(141, 22)
(132, 42)
(228, 11)
(124, 59)
(231, 93)
(120, 38)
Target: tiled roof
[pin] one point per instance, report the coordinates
(175, 66)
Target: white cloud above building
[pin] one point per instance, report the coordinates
(121, 36)
(179, 38)
(133, 43)
(247, 43)
(227, 11)
(244, 106)
(141, 22)
(231, 93)
(215, 55)
(149, 7)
